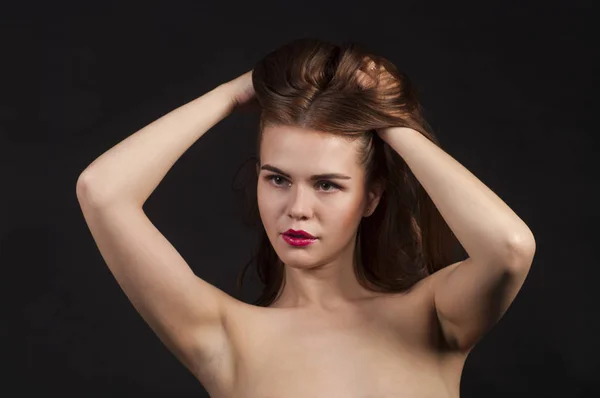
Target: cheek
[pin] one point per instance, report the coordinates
(267, 205)
(344, 218)
(262, 196)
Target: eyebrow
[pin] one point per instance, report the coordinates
(328, 176)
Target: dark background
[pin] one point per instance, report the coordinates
(509, 88)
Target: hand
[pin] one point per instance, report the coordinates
(387, 86)
(374, 75)
(242, 92)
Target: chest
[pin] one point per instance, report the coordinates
(354, 361)
(377, 351)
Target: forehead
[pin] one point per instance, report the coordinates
(294, 148)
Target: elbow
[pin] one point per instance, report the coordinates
(87, 191)
(521, 248)
(82, 186)
(94, 192)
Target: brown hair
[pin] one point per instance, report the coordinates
(313, 84)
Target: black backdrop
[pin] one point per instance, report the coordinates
(508, 87)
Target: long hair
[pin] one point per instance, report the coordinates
(313, 84)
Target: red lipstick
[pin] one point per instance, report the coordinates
(298, 238)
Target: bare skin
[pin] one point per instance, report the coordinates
(353, 344)
(388, 345)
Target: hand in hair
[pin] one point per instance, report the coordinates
(374, 76)
(243, 95)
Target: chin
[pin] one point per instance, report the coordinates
(299, 264)
(301, 259)
(297, 258)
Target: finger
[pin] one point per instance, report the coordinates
(365, 80)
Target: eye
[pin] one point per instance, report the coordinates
(327, 183)
(273, 177)
(323, 183)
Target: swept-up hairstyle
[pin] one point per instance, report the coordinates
(313, 84)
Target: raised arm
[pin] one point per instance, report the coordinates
(187, 313)
(130, 171)
(472, 295)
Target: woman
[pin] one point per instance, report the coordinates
(366, 303)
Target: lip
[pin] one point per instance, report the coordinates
(298, 241)
(300, 232)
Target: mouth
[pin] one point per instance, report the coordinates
(298, 234)
(295, 241)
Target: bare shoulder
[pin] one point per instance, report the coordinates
(216, 349)
(413, 313)
(416, 324)
(243, 348)
(243, 326)
(423, 289)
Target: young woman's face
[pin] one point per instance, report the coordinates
(290, 197)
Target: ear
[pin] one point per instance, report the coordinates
(373, 197)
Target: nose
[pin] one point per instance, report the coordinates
(300, 206)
